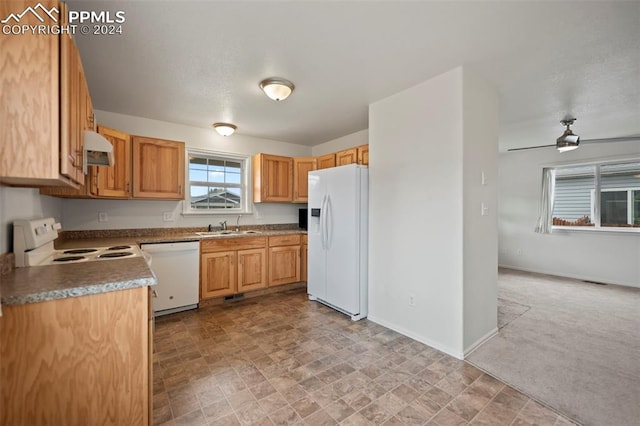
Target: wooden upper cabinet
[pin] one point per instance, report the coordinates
(363, 155)
(115, 181)
(158, 168)
(326, 161)
(301, 169)
(72, 87)
(272, 179)
(32, 151)
(348, 156)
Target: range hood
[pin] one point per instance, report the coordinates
(97, 151)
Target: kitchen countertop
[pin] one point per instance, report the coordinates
(174, 237)
(43, 283)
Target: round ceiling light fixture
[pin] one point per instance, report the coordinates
(225, 129)
(277, 88)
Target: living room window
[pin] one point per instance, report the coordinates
(603, 195)
(217, 183)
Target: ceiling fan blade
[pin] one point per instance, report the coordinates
(531, 147)
(623, 139)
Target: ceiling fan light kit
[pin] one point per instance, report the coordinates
(277, 88)
(225, 129)
(568, 141)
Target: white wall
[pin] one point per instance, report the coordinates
(590, 255)
(417, 212)
(23, 203)
(480, 155)
(344, 142)
(83, 214)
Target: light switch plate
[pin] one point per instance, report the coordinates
(168, 217)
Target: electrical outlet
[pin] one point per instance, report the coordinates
(168, 217)
(484, 209)
(103, 217)
(412, 300)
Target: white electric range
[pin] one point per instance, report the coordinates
(33, 246)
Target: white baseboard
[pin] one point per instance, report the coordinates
(436, 345)
(480, 341)
(573, 276)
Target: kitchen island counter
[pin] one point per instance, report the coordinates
(42, 283)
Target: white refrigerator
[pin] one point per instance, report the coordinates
(337, 238)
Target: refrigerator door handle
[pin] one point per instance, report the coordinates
(323, 213)
(328, 221)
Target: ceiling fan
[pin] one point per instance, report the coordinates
(569, 141)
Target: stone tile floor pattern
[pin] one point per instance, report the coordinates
(281, 359)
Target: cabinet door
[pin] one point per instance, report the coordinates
(272, 178)
(115, 182)
(326, 161)
(303, 263)
(284, 265)
(65, 358)
(217, 274)
(158, 168)
(363, 155)
(29, 111)
(301, 169)
(252, 269)
(348, 156)
(71, 110)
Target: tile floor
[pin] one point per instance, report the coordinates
(282, 359)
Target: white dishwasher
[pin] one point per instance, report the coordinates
(177, 269)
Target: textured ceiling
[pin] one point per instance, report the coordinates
(197, 63)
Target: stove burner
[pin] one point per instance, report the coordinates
(118, 254)
(79, 251)
(119, 248)
(68, 258)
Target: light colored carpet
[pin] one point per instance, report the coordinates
(577, 349)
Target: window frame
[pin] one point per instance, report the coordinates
(245, 183)
(595, 196)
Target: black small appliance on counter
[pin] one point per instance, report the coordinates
(302, 218)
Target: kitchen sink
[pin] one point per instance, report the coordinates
(226, 232)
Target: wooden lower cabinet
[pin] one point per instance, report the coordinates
(82, 360)
(218, 274)
(252, 269)
(232, 265)
(303, 259)
(284, 259)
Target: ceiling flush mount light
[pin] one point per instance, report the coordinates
(568, 140)
(225, 129)
(277, 88)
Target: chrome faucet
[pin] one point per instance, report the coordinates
(238, 224)
(210, 228)
(223, 225)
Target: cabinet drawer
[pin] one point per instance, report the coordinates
(284, 240)
(225, 244)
